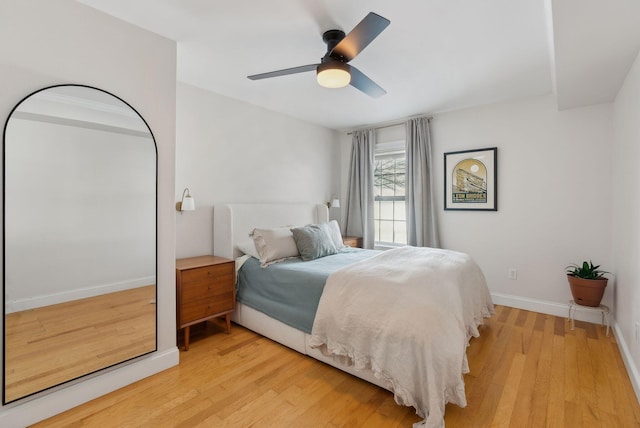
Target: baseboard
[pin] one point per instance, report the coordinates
(31, 411)
(562, 310)
(545, 307)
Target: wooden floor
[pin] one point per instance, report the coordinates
(53, 344)
(527, 370)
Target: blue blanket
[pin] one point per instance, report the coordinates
(289, 291)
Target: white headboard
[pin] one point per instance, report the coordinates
(232, 223)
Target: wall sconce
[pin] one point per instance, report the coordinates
(187, 203)
(334, 202)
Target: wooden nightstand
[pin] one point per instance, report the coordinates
(352, 241)
(205, 289)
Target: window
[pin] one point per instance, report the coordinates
(389, 212)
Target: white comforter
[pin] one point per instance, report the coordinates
(407, 314)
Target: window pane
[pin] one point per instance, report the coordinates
(386, 165)
(386, 231)
(400, 183)
(400, 232)
(386, 210)
(399, 210)
(387, 188)
(376, 174)
(376, 225)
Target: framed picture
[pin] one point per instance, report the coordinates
(471, 180)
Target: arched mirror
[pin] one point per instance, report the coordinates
(79, 241)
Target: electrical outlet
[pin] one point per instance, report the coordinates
(513, 273)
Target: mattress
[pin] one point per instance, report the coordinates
(289, 291)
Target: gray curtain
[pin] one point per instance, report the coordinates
(422, 229)
(359, 214)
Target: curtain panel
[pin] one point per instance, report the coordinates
(359, 214)
(422, 229)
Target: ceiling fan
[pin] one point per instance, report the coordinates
(333, 71)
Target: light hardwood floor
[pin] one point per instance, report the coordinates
(52, 344)
(527, 370)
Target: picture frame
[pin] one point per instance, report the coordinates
(471, 180)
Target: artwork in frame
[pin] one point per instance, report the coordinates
(471, 180)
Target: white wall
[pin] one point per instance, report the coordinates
(60, 41)
(626, 215)
(554, 187)
(231, 151)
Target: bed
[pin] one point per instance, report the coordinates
(333, 334)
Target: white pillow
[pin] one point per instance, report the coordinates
(248, 248)
(336, 236)
(274, 245)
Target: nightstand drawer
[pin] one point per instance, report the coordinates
(206, 290)
(204, 308)
(210, 281)
(207, 273)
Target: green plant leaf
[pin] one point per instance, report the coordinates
(587, 270)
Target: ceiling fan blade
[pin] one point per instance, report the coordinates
(286, 71)
(360, 37)
(361, 82)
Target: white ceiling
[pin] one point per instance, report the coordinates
(437, 55)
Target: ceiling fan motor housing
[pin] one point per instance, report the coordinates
(332, 38)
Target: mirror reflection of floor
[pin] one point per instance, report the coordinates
(53, 344)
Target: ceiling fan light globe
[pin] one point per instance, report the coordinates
(333, 75)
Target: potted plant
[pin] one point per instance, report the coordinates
(587, 283)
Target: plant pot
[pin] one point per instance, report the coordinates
(587, 292)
